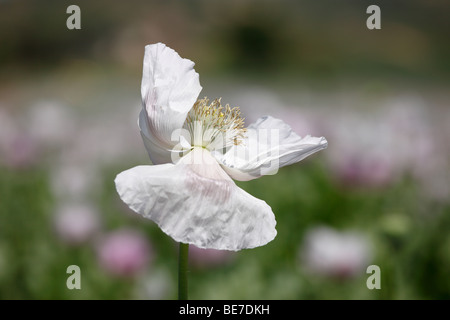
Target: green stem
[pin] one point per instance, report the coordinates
(182, 271)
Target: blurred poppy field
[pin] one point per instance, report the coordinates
(379, 195)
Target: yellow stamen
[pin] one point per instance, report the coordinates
(216, 122)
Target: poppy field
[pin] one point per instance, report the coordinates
(367, 217)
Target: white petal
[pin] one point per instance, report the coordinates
(158, 150)
(270, 144)
(170, 87)
(207, 210)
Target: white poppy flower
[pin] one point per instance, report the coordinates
(336, 253)
(197, 149)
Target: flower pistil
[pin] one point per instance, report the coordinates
(214, 126)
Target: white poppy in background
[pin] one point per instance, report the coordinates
(330, 252)
(124, 252)
(197, 148)
(76, 223)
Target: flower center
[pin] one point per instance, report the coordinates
(213, 126)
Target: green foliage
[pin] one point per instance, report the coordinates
(409, 234)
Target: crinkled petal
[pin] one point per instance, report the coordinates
(170, 87)
(198, 205)
(269, 145)
(158, 151)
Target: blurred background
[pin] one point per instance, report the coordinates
(379, 195)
